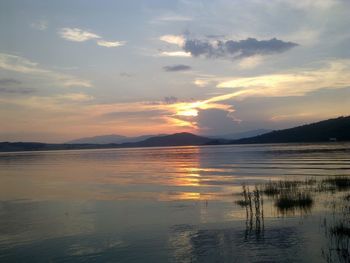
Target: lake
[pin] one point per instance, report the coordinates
(239, 203)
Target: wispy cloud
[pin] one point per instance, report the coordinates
(4, 90)
(104, 43)
(80, 35)
(9, 81)
(77, 34)
(174, 68)
(175, 54)
(333, 74)
(22, 65)
(200, 82)
(40, 25)
(76, 97)
(166, 18)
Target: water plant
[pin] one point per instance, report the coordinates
(291, 201)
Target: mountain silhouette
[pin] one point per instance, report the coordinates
(111, 138)
(332, 129)
(337, 129)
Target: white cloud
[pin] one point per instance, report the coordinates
(104, 43)
(77, 34)
(175, 54)
(201, 82)
(173, 39)
(24, 66)
(39, 25)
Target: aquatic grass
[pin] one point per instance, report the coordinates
(275, 188)
(339, 182)
(341, 229)
(347, 197)
(242, 203)
(253, 203)
(292, 201)
(271, 189)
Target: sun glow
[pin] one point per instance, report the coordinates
(188, 113)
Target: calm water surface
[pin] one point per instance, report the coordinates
(175, 204)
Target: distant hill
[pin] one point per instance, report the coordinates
(322, 131)
(241, 135)
(177, 139)
(111, 138)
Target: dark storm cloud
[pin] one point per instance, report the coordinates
(236, 49)
(22, 91)
(9, 81)
(175, 68)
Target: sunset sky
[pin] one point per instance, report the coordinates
(71, 69)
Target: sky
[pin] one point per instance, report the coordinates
(78, 68)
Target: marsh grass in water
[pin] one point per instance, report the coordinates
(341, 229)
(338, 182)
(290, 195)
(275, 188)
(291, 201)
(337, 232)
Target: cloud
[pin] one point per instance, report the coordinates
(24, 66)
(173, 18)
(298, 82)
(9, 81)
(175, 54)
(79, 35)
(236, 49)
(214, 121)
(201, 82)
(134, 114)
(229, 49)
(76, 97)
(22, 91)
(173, 39)
(215, 36)
(170, 18)
(170, 100)
(39, 25)
(175, 68)
(165, 101)
(104, 43)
